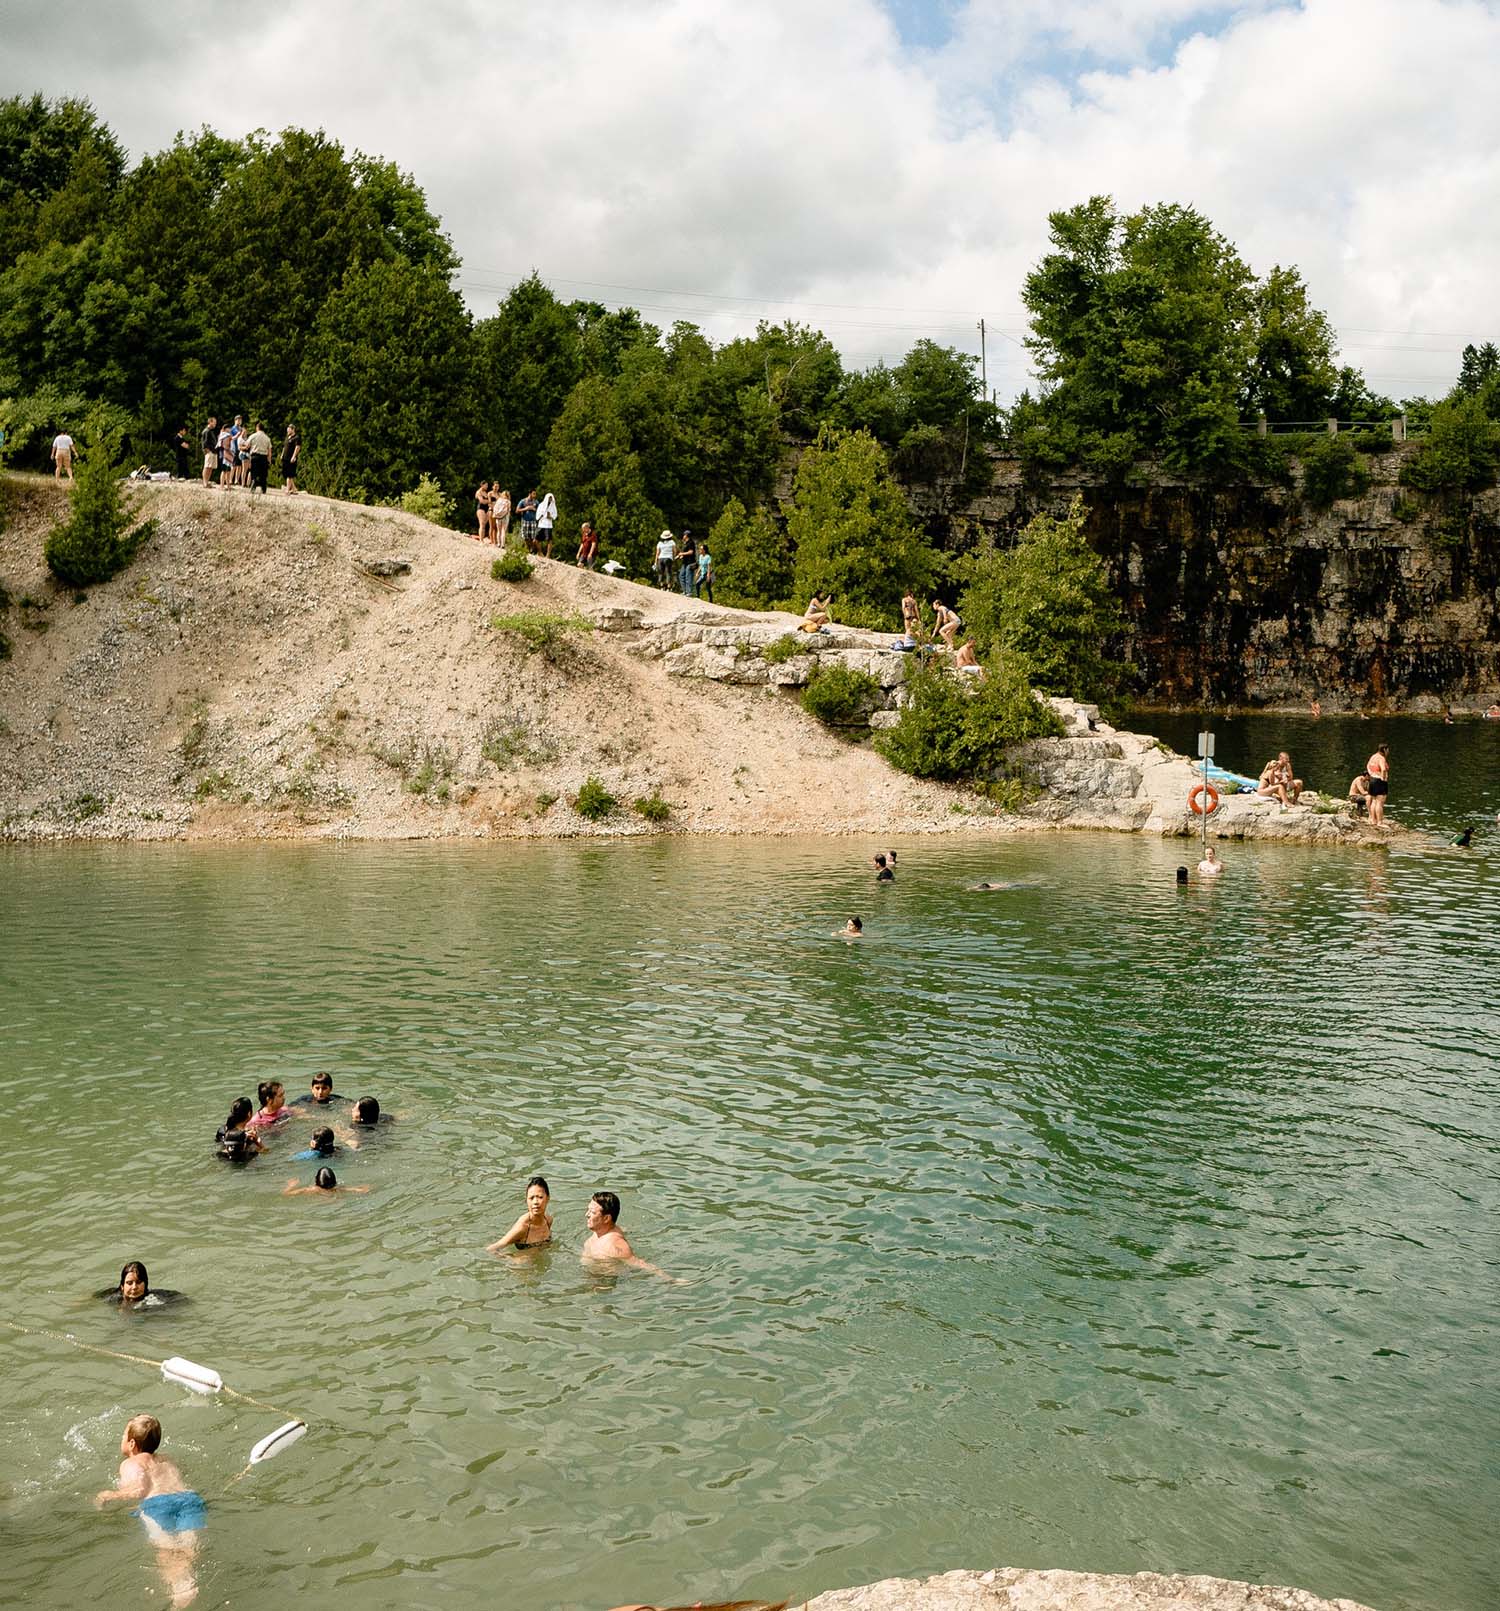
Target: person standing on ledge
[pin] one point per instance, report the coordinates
(1379, 768)
(260, 459)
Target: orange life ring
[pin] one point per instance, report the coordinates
(1213, 800)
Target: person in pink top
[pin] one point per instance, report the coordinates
(273, 1109)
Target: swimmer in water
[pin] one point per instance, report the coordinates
(1210, 866)
(234, 1140)
(320, 1093)
(170, 1511)
(534, 1228)
(854, 929)
(322, 1146)
(324, 1182)
(273, 1108)
(884, 872)
(135, 1291)
(1465, 839)
(605, 1240)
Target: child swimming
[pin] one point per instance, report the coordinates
(170, 1511)
(534, 1228)
(273, 1108)
(324, 1181)
(322, 1146)
(235, 1141)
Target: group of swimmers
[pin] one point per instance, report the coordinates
(242, 1136)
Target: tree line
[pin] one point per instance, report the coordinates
(287, 279)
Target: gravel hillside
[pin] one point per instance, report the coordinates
(247, 676)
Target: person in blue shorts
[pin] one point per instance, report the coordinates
(170, 1511)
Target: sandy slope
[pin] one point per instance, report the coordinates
(246, 677)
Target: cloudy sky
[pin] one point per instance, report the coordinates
(880, 168)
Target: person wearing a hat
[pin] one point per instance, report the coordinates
(666, 555)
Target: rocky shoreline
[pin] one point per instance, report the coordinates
(304, 669)
(1012, 1589)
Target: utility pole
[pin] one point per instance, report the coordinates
(984, 378)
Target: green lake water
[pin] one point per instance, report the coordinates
(1093, 1223)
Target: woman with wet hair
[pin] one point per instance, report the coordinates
(235, 1141)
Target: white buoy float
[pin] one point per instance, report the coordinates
(274, 1442)
(198, 1378)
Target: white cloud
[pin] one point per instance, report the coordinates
(800, 151)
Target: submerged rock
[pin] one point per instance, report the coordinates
(1011, 1589)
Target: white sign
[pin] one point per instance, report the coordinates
(1206, 746)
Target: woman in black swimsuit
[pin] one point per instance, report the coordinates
(534, 1228)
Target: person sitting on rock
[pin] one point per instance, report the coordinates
(1277, 782)
(815, 617)
(966, 660)
(1359, 794)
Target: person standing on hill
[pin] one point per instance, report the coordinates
(687, 564)
(259, 445)
(500, 516)
(705, 572)
(182, 450)
(62, 456)
(666, 554)
(291, 450)
(1379, 768)
(484, 503)
(209, 442)
(546, 519)
(526, 509)
(588, 546)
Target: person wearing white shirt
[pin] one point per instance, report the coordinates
(666, 556)
(62, 456)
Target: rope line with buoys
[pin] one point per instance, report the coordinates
(1195, 800)
(196, 1378)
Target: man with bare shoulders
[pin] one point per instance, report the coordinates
(1379, 768)
(605, 1240)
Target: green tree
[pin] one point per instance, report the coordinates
(851, 532)
(1048, 602)
(595, 475)
(1140, 328)
(383, 392)
(1478, 367)
(1292, 372)
(527, 359)
(97, 539)
(752, 558)
(952, 729)
(59, 169)
(1461, 452)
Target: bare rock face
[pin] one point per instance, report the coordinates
(1010, 1589)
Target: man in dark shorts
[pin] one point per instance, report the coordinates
(1379, 768)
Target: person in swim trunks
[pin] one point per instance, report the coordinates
(170, 1511)
(534, 1228)
(1379, 768)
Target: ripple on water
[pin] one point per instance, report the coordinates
(1091, 1222)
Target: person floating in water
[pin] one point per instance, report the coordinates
(234, 1140)
(1210, 866)
(534, 1228)
(884, 872)
(273, 1108)
(365, 1117)
(134, 1290)
(320, 1094)
(325, 1181)
(322, 1146)
(1465, 839)
(170, 1511)
(1182, 876)
(854, 929)
(605, 1240)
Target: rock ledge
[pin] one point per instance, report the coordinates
(1009, 1588)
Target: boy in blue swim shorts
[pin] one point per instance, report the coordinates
(172, 1513)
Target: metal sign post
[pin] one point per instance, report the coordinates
(1205, 754)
